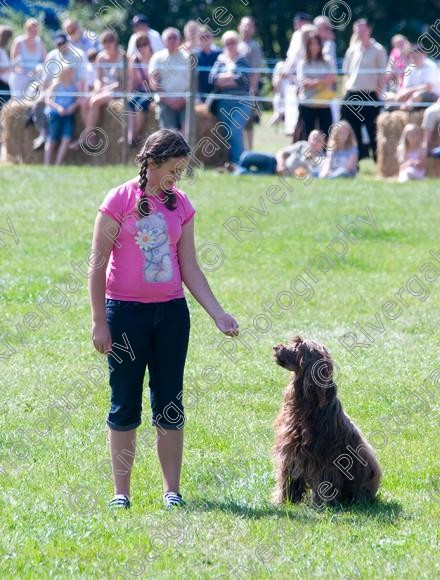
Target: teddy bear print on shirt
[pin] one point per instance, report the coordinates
(152, 239)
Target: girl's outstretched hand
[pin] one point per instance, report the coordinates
(227, 324)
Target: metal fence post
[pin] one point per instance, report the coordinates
(190, 112)
(125, 110)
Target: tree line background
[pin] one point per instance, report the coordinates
(273, 17)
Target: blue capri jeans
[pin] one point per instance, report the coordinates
(154, 336)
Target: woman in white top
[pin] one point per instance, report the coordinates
(109, 80)
(5, 37)
(27, 52)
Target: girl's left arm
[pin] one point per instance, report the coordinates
(197, 283)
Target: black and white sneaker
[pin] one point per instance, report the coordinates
(172, 498)
(119, 501)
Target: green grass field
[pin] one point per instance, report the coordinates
(229, 528)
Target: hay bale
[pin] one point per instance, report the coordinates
(18, 138)
(389, 129)
(205, 123)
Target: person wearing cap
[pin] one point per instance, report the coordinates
(140, 24)
(64, 54)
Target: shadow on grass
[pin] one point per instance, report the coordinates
(381, 510)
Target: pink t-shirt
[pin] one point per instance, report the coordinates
(143, 264)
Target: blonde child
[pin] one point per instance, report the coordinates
(342, 152)
(411, 153)
(61, 103)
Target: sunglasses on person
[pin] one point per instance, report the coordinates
(143, 44)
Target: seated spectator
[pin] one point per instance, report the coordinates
(316, 78)
(171, 109)
(5, 37)
(77, 38)
(229, 77)
(421, 80)
(139, 83)
(411, 154)
(108, 82)
(342, 153)
(91, 69)
(430, 125)
(299, 158)
(139, 23)
(327, 36)
(27, 54)
(61, 103)
(61, 56)
(206, 57)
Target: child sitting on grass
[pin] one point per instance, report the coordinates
(343, 154)
(411, 153)
(61, 103)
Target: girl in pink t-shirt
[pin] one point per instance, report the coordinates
(144, 238)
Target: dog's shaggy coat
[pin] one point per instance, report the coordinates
(312, 431)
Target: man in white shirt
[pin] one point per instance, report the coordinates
(140, 24)
(364, 63)
(421, 79)
(170, 73)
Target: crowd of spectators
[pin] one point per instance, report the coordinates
(83, 71)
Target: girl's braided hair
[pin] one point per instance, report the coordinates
(159, 146)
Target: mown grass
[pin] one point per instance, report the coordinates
(229, 527)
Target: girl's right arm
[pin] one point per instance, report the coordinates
(102, 244)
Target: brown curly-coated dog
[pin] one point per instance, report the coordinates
(317, 447)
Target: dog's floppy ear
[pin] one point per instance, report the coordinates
(318, 379)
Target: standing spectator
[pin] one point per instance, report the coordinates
(316, 78)
(61, 103)
(398, 58)
(295, 51)
(343, 153)
(411, 153)
(420, 81)
(108, 81)
(364, 63)
(61, 56)
(250, 49)
(5, 37)
(191, 35)
(171, 109)
(206, 57)
(140, 24)
(327, 36)
(139, 82)
(80, 39)
(229, 77)
(27, 52)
